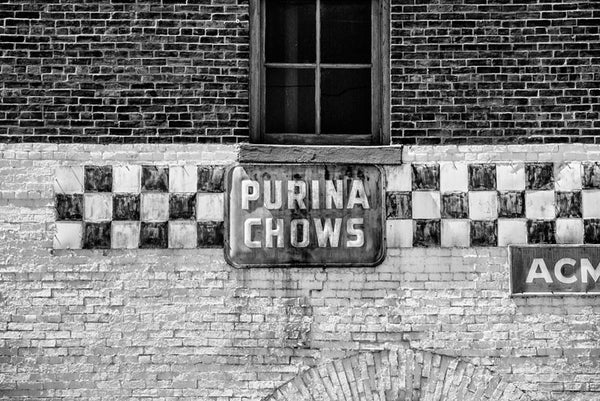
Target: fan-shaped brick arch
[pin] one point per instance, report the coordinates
(400, 374)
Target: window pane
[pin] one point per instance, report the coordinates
(290, 100)
(346, 101)
(290, 31)
(346, 31)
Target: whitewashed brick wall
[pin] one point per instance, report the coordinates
(182, 324)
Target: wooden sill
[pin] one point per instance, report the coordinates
(320, 154)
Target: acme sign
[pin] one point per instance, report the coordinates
(304, 215)
(555, 269)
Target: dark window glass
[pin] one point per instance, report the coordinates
(290, 31)
(290, 100)
(346, 31)
(346, 101)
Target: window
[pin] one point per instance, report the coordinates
(318, 72)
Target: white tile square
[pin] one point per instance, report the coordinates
(590, 204)
(68, 235)
(455, 233)
(483, 205)
(209, 206)
(454, 177)
(399, 233)
(569, 231)
(399, 178)
(97, 207)
(125, 234)
(512, 231)
(540, 205)
(567, 176)
(510, 177)
(68, 180)
(183, 234)
(127, 179)
(426, 205)
(154, 207)
(183, 178)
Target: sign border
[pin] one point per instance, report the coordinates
(548, 293)
(226, 246)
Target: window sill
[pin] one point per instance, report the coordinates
(320, 154)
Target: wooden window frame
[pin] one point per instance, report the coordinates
(380, 84)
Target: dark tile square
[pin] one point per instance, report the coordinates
(97, 179)
(591, 231)
(541, 231)
(126, 206)
(539, 176)
(426, 233)
(211, 179)
(69, 207)
(210, 234)
(155, 179)
(484, 233)
(154, 235)
(182, 206)
(96, 235)
(511, 204)
(455, 205)
(482, 177)
(591, 175)
(426, 177)
(568, 204)
(398, 205)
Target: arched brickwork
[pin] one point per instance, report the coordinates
(399, 374)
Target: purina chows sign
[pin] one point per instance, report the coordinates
(304, 215)
(555, 269)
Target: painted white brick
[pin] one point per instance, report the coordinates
(426, 205)
(68, 180)
(399, 233)
(209, 206)
(510, 177)
(154, 207)
(97, 207)
(183, 234)
(569, 231)
(68, 235)
(454, 177)
(183, 178)
(512, 231)
(483, 205)
(399, 178)
(127, 179)
(540, 205)
(455, 233)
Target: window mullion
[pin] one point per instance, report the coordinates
(318, 70)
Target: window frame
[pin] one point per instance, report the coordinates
(380, 84)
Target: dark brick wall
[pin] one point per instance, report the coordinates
(495, 71)
(463, 71)
(124, 71)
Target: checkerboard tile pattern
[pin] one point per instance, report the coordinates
(139, 206)
(460, 204)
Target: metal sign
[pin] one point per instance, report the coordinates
(555, 269)
(304, 215)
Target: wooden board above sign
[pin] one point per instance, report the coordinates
(555, 269)
(304, 215)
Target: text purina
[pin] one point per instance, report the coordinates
(293, 194)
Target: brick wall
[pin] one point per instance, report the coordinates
(182, 324)
(177, 71)
(124, 72)
(495, 71)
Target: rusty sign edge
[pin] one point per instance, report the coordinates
(226, 246)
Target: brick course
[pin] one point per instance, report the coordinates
(177, 71)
